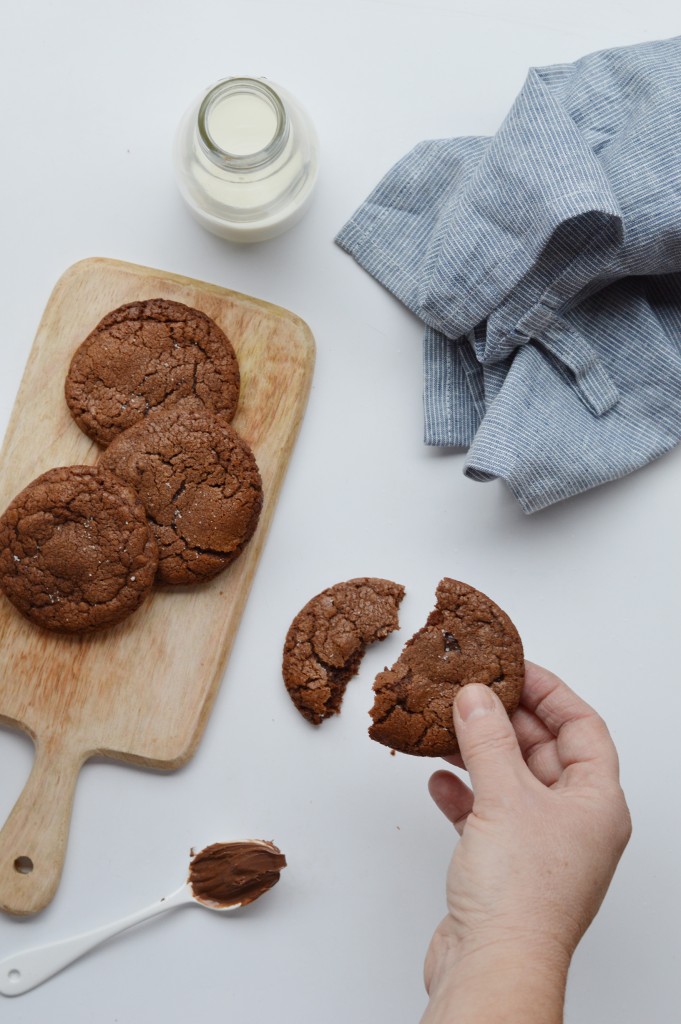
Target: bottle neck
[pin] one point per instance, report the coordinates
(242, 125)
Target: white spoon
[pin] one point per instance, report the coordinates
(22, 972)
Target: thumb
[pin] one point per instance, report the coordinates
(487, 740)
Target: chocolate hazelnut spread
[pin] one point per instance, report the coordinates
(231, 874)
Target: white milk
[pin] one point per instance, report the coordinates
(242, 123)
(246, 159)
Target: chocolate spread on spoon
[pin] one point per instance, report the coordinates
(230, 874)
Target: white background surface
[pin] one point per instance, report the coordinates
(90, 96)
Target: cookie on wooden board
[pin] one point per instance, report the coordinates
(147, 355)
(76, 550)
(327, 640)
(467, 639)
(201, 487)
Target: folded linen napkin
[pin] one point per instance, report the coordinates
(544, 263)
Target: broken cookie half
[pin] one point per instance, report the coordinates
(467, 639)
(327, 640)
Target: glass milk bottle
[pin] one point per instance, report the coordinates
(246, 158)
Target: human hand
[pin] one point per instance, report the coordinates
(541, 832)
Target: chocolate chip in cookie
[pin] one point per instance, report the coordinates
(327, 640)
(200, 484)
(466, 639)
(147, 355)
(76, 550)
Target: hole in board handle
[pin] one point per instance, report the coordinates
(24, 865)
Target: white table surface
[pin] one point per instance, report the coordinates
(90, 96)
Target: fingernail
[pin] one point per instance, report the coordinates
(474, 700)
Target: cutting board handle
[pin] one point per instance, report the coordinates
(33, 840)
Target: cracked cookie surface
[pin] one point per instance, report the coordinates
(145, 355)
(200, 485)
(467, 639)
(76, 550)
(327, 640)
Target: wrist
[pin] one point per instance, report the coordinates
(495, 979)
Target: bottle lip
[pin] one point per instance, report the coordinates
(242, 161)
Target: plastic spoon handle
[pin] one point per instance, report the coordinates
(23, 971)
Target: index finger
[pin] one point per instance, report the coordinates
(538, 717)
(582, 736)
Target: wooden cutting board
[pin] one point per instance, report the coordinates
(142, 691)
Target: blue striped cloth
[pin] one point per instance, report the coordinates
(545, 263)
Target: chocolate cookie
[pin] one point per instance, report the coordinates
(76, 550)
(200, 485)
(466, 639)
(327, 640)
(145, 355)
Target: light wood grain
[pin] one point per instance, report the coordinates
(142, 691)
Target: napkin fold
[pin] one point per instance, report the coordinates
(544, 263)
